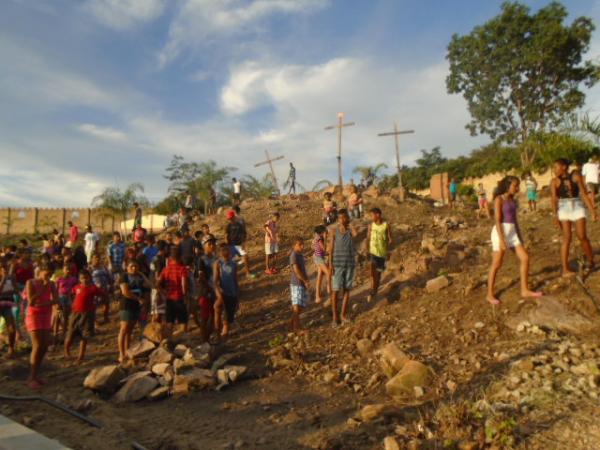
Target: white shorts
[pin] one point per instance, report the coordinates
(510, 235)
(571, 210)
(271, 248)
(238, 250)
(155, 308)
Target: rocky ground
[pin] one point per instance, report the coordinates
(429, 364)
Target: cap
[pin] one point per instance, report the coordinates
(230, 215)
(207, 238)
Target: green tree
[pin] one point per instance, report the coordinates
(521, 73)
(119, 201)
(321, 184)
(258, 188)
(374, 171)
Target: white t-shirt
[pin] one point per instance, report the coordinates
(590, 172)
(237, 187)
(90, 240)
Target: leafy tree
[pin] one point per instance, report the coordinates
(257, 188)
(431, 159)
(168, 205)
(321, 184)
(367, 171)
(521, 73)
(119, 201)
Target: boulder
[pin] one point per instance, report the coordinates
(222, 377)
(104, 379)
(222, 360)
(364, 346)
(180, 350)
(370, 413)
(234, 373)
(160, 355)
(156, 332)
(437, 284)
(141, 349)
(413, 374)
(135, 376)
(136, 389)
(391, 359)
(390, 443)
(159, 393)
(196, 378)
(160, 368)
(181, 386)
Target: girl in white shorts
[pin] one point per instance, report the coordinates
(506, 234)
(569, 209)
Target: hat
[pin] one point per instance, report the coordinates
(208, 238)
(230, 215)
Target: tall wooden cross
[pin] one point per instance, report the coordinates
(397, 133)
(270, 161)
(339, 127)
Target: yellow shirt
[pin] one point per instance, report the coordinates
(378, 246)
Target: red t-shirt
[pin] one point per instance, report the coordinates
(84, 297)
(172, 278)
(73, 233)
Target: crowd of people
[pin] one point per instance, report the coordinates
(182, 277)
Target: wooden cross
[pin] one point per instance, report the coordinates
(339, 127)
(270, 161)
(397, 133)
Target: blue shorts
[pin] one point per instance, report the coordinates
(299, 295)
(343, 277)
(532, 196)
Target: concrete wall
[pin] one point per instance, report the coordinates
(437, 187)
(44, 220)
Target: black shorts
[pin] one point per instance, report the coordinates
(378, 262)
(81, 324)
(176, 311)
(6, 312)
(236, 196)
(231, 306)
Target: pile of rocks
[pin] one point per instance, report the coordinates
(164, 368)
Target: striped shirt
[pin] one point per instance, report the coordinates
(116, 254)
(343, 249)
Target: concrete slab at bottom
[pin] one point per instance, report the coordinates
(14, 436)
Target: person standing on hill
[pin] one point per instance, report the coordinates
(590, 173)
(506, 234)
(342, 260)
(237, 191)
(379, 238)
(292, 179)
(137, 218)
(452, 187)
(568, 198)
(91, 240)
(299, 284)
(271, 243)
(235, 234)
(532, 195)
(73, 235)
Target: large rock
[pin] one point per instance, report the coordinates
(156, 332)
(222, 360)
(390, 443)
(364, 346)
(160, 355)
(159, 393)
(160, 368)
(141, 349)
(136, 389)
(437, 284)
(413, 374)
(391, 359)
(370, 413)
(196, 378)
(235, 373)
(104, 379)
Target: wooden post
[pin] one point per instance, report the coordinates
(89, 221)
(64, 220)
(151, 223)
(113, 223)
(270, 161)
(35, 220)
(339, 127)
(397, 133)
(8, 220)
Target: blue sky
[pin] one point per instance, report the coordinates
(103, 92)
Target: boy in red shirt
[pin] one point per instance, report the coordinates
(83, 312)
(174, 283)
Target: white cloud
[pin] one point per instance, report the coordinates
(124, 14)
(105, 133)
(199, 21)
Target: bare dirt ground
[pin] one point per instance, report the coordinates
(521, 375)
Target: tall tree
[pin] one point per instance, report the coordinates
(367, 171)
(119, 201)
(521, 73)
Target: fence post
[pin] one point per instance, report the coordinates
(89, 221)
(113, 223)
(8, 219)
(35, 220)
(151, 223)
(64, 220)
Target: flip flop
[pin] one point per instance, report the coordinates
(494, 301)
(534, 295)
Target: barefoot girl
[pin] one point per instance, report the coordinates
(567, 204)
(41, 295)
(506, 234)
(319, 258)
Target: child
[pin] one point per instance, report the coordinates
(134, 286)
(299, 284)
(8, 285)
(157, 302)
(342, 262)
(174, 283)
(319, 258)
(84, 312)
(329, 209)
(65, 284)
(507, 234)
(227, 290)
(482, 201)
(103, 281)
(271, 243)
(532, 195)
(206, 299)
(452, 191)
(379, 237)
(354, 203)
